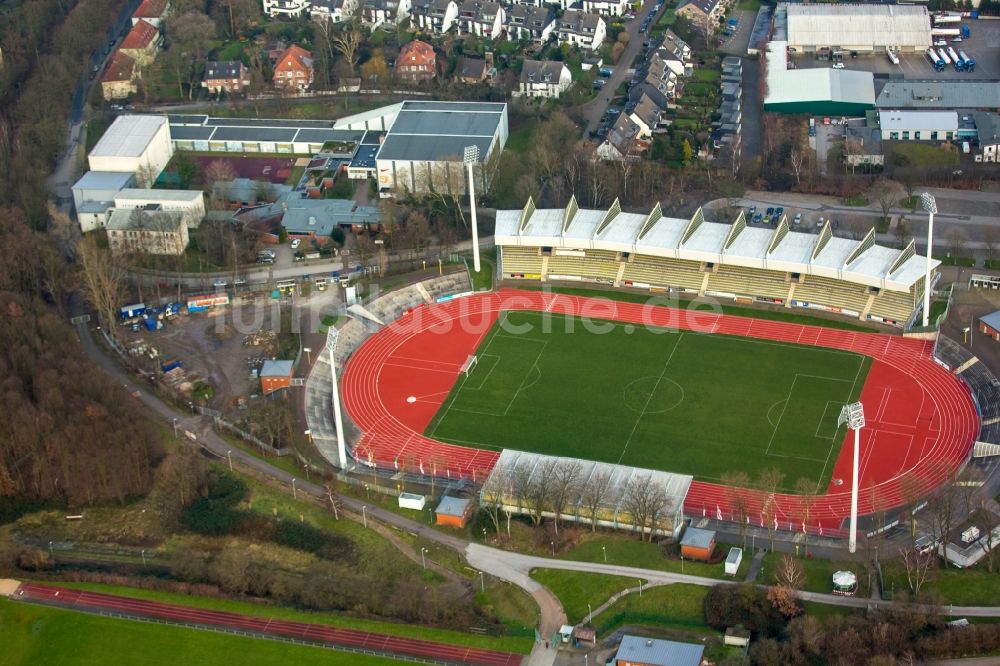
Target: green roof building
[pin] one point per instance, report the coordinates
(817, 91)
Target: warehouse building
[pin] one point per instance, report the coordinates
(818, 91)
(135, 144)
(939, 94)
(857, 27)
(918, 125)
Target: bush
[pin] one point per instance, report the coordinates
(216, 514)
(730, 605)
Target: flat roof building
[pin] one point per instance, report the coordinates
(857, 27)
(820, 91)
(641, 651)
(137, 144)
(934, 94)
(147, 231)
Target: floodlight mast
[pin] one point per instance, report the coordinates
(470, 158)
(930, 206)
(854, 416)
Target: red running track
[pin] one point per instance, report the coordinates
(95, 601)
(921, 422)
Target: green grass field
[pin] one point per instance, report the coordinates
(40, 635)
(677, 401)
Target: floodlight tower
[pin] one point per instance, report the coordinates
(338, 418)
(470, 158)
(930, 205)
(854, 416)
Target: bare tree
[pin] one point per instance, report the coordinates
(646, 502)
(769, 481)
(738, 495)
(989, 542)
(955, 238)
(798, 159)
(806, 489)
(348, 42)
(539, 489)
(919, 567)
(790, 573)
(565, 488)
(494, 495)
(595, 491)
(990, 235)
(886, 194)
(103, 279)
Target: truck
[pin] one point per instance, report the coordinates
(130, 311)
(945, 32)
(935, 59)
(944, 56)
(966, 32)
(959, 65)
(944, 19)
(970, 64)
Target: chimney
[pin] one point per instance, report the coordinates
(489, 58)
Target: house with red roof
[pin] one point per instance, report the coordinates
(119, 79)
(142, 42)
(152, 11)
(294, 69)
(416, 62)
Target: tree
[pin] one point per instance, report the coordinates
(539, 489)
(790, 573)
(337, 236)
(103, 279)
(798, 158)
(565, 487)
(955, 238)
(783, 600)
(364, 247)
(886, 194)
(593, 493)
(806, 489)
(737, 486)
(647, 502)
(375, 69)
(348, 42)
(990, 235)
(918, 566)
(769, 481)
(687, 152)
(494, 495)
(191, 36)
(217, 174)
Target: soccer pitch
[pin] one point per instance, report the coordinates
(671, 400)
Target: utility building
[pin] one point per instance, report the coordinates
(856, 27)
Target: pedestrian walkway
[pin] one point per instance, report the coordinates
(755, 565)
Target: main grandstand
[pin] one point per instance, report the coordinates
(859, 279)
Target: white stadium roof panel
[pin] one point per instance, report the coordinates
(794, 252)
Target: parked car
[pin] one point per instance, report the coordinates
(798, 218)
(605, 72)
(778, 211)
(295, 243)
(757, 218)
(940, 42)
(599, 83)
(838, 65)
(220, 284)
(769, 212)
(752, 210)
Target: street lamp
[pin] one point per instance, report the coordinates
(423, 558)
(604, 549)
(294, 494)
(229, 457)
(854, 416)
(482, 578)
(364, 515)
(553, 544)
(470, 158)
(640, 588)
(590, 613)
(930, 206)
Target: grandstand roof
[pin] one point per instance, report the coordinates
(858, 25)
(675, 486)
(781, 249)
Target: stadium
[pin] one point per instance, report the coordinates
(488, 386)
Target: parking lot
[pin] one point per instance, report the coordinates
(983, 46)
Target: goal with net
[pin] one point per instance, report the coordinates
(469, 364)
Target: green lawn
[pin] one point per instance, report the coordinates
(507, 643)
(961, 587)
(575, 590)
(39, 635)
(948, 260)
(922, 154)
(658, 398)
(818, 572)
(787, 315)
(521, 139)
(675, 606)
(629, 551)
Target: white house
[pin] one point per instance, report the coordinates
(286, 8)
(434, 16)
(581, 29)
(547, 79)
(988, 133)
(525, 23)
(377, 12)
(606, 7)
(483, 19)
(918, 125)
(336, 11)
(647, 116)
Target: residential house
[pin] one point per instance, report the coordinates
(648, 117)
(544, 78)
(988, 134)
(606, 7)
(527, 23)
(149, 231)
(378, 12)
(578, 28)
(286, 8)
(471, 71)
(434, 16)
(863, 144)
(660, 84)
(483, 19)
(417, 62)
(230, 76)
(704, 15)
(151, 11)
(676, 45)
(141, 43)
(294, 69)
(119, 79)
(336, 11)
(624, 141)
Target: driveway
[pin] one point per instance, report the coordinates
(594, 109)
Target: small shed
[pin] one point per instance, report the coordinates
(733, 561)
(990, 325)
(565, 633)
(640, 651)
(586, 635)
(737, 637)
(412, 501)
(453, 511)
(697, 544)
(276, 375)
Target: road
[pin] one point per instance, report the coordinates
(594, 109)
